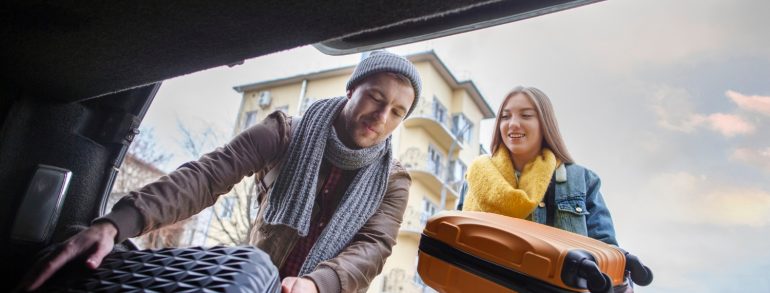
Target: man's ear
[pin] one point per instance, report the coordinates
(349, 93)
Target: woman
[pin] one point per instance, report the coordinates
(531, 175)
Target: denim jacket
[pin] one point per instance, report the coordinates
(580, 207)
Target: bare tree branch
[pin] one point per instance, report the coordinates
(220, 221)
(144, 148)
(235, 229)
(139, 168)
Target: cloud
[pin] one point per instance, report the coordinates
(675, 112)
(674, 109)
(754, 157)
(759, 104)
(736, 207)
(728, 124)
(696, 199)
(690, 215)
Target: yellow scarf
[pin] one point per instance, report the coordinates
(492, 184)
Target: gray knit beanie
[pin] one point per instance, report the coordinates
(383, 61)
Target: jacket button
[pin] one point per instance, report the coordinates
(578, 209)
(541, 204)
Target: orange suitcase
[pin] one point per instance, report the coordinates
(485, 252)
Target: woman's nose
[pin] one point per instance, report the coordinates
(513, 123)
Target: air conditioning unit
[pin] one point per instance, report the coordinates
(265, 99)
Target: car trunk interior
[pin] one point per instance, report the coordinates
(78, 76)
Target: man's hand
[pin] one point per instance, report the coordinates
(298, 285)
(93, 243)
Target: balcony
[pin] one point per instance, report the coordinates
(414, 221)
(412, 224)
(426, 118)
(397, 280)
(427, 171)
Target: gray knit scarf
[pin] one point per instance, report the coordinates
(292, 198)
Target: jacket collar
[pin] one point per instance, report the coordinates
(560, 174)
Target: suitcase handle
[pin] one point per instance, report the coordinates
(640, 274)
(598, 282)
(580, 271)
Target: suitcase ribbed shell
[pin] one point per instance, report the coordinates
(533, 249)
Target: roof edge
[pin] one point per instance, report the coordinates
(429, 56)
(468, 85)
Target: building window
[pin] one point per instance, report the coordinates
(456, 171)
(482, 150)
(418, 281)
(306, 104)
(434, 161)
(250, 118)
(393, 282)
(459, 124)
(428, 210)
(284, 109)
(439, 111)
(227, 207)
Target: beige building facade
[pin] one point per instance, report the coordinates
(436, 144)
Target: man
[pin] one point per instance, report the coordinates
(329, 234)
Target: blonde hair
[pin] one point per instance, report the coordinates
(545, 114)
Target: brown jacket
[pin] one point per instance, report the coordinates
(196, 185)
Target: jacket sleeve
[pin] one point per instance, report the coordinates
(362, 260)
(598, 221)
(197, 184)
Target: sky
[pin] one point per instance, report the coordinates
(667, 101)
